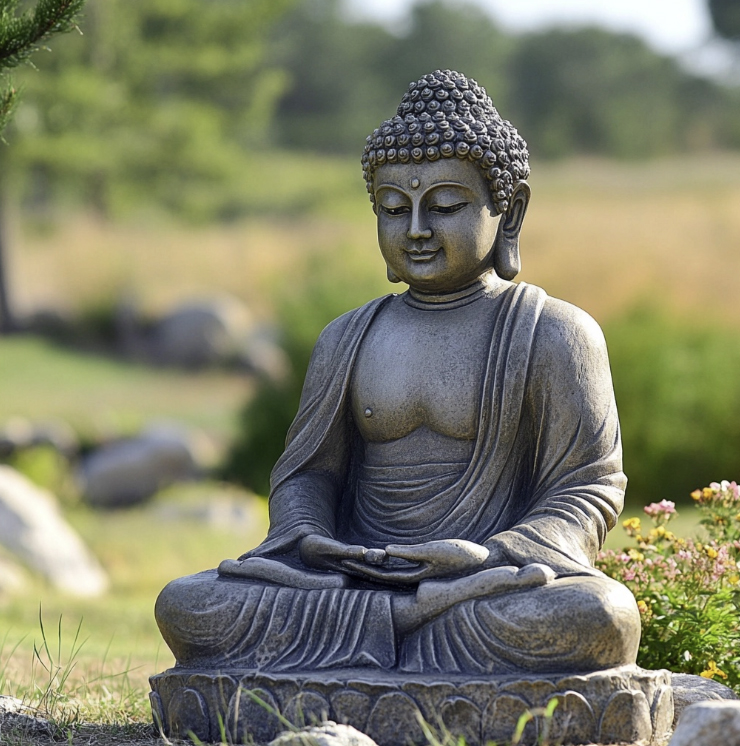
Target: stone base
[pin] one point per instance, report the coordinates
(626, 704)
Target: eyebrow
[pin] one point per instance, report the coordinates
(428, 189)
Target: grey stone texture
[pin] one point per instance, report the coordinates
(18, 721)
(33, 529)
(709, 724)
(688, 690)
(627, 704)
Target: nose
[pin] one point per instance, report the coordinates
(416, 229)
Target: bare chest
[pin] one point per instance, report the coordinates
(421, 368)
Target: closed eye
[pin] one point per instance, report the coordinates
(402, 210)
(448, 209)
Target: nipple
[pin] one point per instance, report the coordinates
(368, 412)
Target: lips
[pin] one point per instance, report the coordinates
(422, 256)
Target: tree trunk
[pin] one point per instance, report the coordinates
(7, 321)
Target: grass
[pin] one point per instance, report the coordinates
(97, 395)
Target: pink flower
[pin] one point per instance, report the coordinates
(629, 574)
(664, 507)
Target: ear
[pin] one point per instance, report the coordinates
(392, 276)
(506, 260)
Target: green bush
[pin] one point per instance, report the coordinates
(687, 590)
(677, 385)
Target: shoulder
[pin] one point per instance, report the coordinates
(344, 329)
(568, 338)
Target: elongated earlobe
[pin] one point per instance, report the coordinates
(392, 276)
(507, 262)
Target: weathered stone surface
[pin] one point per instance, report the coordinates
(688, 690)
(626, 718)
(326, 734)
(17, 719)
(709, 724)
(127, 472)
(33, 529)
(613, 704)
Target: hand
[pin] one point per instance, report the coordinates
(329, 554)
(434, 559)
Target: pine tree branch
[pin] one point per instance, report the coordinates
(8, 100)
(22, 35)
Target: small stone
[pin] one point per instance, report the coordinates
(709, 724)
(368, 412)
(19, 720)
(689, 689)
(326, 734)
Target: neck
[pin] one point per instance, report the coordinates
(487, 284)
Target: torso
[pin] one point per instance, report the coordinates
(417, 382)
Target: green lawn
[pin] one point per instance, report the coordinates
(41, 381)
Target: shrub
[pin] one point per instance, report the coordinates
(687, 590)
(678, 393)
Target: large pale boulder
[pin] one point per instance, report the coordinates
(129, 471)
(33, 529)
(709, 724)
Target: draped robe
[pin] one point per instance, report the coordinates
(544, 484)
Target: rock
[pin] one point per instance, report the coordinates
(326, 734)
(689, 689)
(34, 530)
(709, 724)
(20, 719)
(130, 471)
(202, 333)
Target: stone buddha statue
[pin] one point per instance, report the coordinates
(455, 463)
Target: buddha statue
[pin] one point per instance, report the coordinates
(455, 463)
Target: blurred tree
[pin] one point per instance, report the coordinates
(593, 91)
(20, 36)
(337, 76)
(345, 78)
(156, 103)
(456, 36)
(725, 15)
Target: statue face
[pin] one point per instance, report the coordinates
(436, 222)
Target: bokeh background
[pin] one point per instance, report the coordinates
(180, 154)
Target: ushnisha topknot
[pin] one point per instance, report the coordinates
(446, 115)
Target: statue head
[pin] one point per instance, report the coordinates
(445, 115)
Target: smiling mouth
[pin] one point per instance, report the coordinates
(423, 256)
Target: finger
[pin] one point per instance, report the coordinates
(389, 576)
(411, 552)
